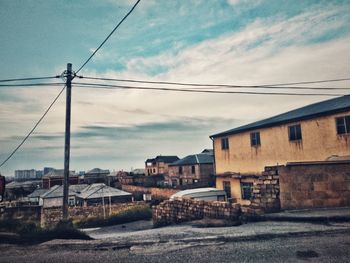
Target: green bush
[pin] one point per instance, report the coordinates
(142, 212)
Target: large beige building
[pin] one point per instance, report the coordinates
(316, 132)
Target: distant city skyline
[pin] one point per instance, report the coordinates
(229, 42)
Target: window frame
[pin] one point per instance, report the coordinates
(293, 132)
(180, 170)
(255, 139)
(226, 185)
(244, 187)
(345, 124)
(225, 145)
(193, 169)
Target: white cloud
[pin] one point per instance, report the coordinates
(233, 2)
(266, 51)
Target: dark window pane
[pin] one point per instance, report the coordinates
(246, 190)
(347, 122)
(227, 188)
(298, 132)
(224, 143)
(255, 138)
(341, 125)
(295, 132)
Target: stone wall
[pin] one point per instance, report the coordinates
(157, 193)
(266, 193)
(50, 216)
(181, 210)
(316, 184)
(23, 213)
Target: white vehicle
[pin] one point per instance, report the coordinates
(207, 194)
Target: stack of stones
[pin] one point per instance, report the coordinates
(181, 210)
(266, 190)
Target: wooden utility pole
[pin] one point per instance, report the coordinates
(67, 141)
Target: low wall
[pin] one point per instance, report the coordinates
(181, 210)
(51, 215)
(313, 185)
(266, 193)
(23, 213)
(157, 193)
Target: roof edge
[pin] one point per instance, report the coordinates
(307, 117)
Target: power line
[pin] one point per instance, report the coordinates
(33, 129)
(30, 84)
(22, 79)
(110, 34)
(107, 86)
(271, 86)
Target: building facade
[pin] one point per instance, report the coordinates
(159, 165)
(56, 177)
(316, 132)
(193, 169)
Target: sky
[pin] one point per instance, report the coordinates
(220, 42)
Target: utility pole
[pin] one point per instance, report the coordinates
(68, 74)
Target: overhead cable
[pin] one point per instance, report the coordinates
(23, 79)
(33, 129)
(265, 86)
(107, 86)
(110, 34)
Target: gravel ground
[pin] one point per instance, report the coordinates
(255, 242)
(319, 248)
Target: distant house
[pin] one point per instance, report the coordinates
(54, 196)
(85, 195)
(138, 171)
(100, 193)
(159, 165)
(56, 177)
(15, 190)
(35, 198)
(316, 132)
(193, 169)
(96, 175)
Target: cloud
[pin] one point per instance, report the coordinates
(233, 2)
(120, 128)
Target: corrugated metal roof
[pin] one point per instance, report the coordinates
(201, 158)
(101, 190)
(97, 171)
(58, 173)
(163, 158)
(37, 193)
(57, 190)
(322, 108)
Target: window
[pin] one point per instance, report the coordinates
(255, 139)
(180, 170)
(343, 125)
(246, 189)
(227, 188)
(294, 132)
(224, 144)
(193, 169)
(71, 202)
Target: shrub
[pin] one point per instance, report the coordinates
(30, 232)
